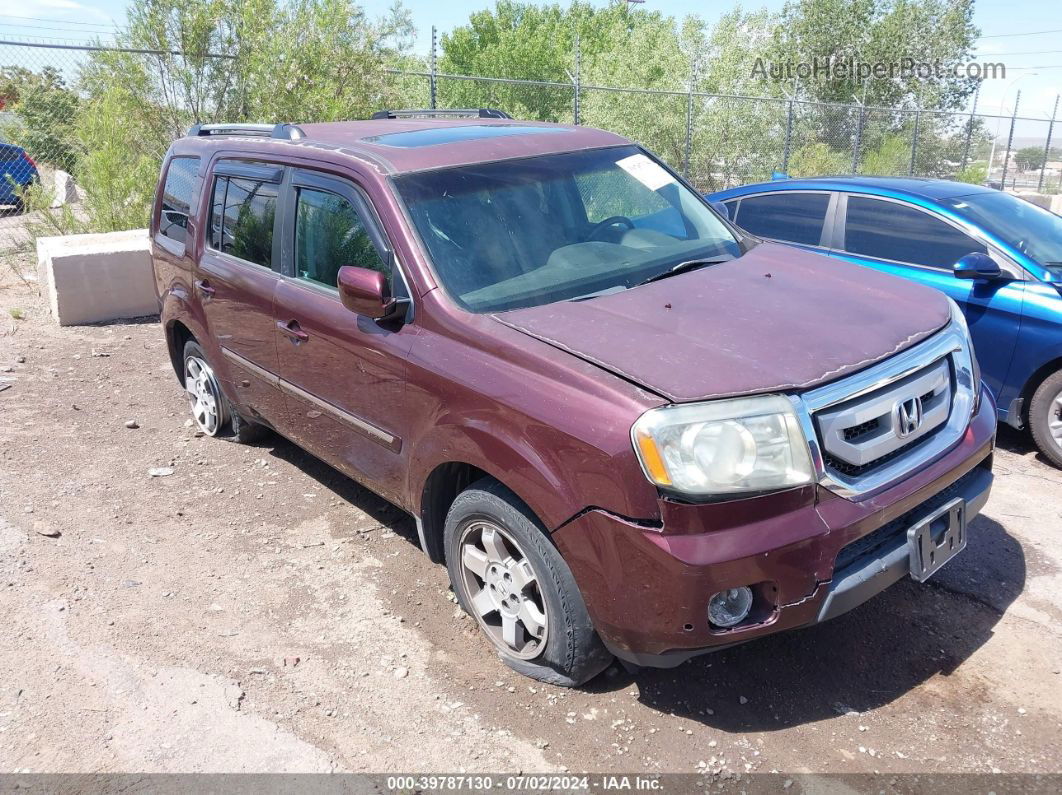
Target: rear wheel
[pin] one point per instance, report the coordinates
(211, 410)
(1045, 418)
(513, 581)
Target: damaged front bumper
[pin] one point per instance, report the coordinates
(807, 554)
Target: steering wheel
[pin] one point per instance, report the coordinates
(612, 220)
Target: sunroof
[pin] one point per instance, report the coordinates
(450, 135)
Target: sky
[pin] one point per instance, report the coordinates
(1026, 36)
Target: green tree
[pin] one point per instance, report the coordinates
(232, 61)
(531, 42)
(44, 109)
(1029, 158)
(879, 31)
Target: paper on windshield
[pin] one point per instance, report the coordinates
(645, 171)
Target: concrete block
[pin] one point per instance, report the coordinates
(96, 278)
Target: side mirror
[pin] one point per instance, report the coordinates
(977, 266)
(364, 291)
(722, 209)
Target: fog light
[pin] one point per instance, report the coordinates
(727, 608)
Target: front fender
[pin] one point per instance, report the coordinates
(512, 460)
(1038, 352)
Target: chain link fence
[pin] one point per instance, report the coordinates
(716, 141)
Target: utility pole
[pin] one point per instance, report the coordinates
(434, 73)
(969, 130)
(1047, 146)
(1010, 142)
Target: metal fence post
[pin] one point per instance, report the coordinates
(689, 119)
(858, 142)
(1010, 142)
(578, 79)
(432, 82)
(788, 138)
(914, 143)
(1047, 146)
(969, 130)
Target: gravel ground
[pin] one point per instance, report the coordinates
(256, 611)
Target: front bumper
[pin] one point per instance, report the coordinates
(808, 554)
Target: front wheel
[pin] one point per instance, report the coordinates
(1045, 418)
(513, 581)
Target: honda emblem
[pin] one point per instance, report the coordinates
(908, 416)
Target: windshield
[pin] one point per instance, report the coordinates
(520, 233)
(1028, 228)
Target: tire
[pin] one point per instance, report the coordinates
(516, 578)
(1045, 418)
(244, 430)
(212, 412)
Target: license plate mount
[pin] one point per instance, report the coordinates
(937, 538)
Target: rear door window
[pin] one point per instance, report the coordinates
(243, 212)
(892, 231)
(792, 216)
(178, 196)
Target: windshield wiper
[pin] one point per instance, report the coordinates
(684, 267)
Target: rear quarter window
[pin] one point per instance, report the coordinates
(178, 196)
(792, 217)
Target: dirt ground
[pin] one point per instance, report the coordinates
(256, 611)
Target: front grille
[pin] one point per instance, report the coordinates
(858, 431)
(873, 543)
(862, 434)
(855, 470)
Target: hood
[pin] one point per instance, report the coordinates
(777, 319)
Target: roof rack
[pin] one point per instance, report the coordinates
(284, 132)
(431, 113)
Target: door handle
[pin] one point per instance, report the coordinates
(292, 331)
(204, 287)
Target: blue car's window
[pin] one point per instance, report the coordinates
(793, 216)
(892, 231)
(1030, 229)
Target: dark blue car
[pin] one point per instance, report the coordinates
(998, 256)
(17, 173)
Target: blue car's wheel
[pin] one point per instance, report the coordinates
(1045, 418)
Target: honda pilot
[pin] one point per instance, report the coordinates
(628, 428)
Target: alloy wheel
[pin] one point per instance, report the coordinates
(1054, 419)
(503, 590)
(204, 395)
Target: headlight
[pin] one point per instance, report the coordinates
(959, 319)
(723, 447)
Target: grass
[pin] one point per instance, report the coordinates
(16, 313)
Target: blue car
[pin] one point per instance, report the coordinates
(17, 173)
(998, 256)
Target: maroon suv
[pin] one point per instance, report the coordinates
(626, 426)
